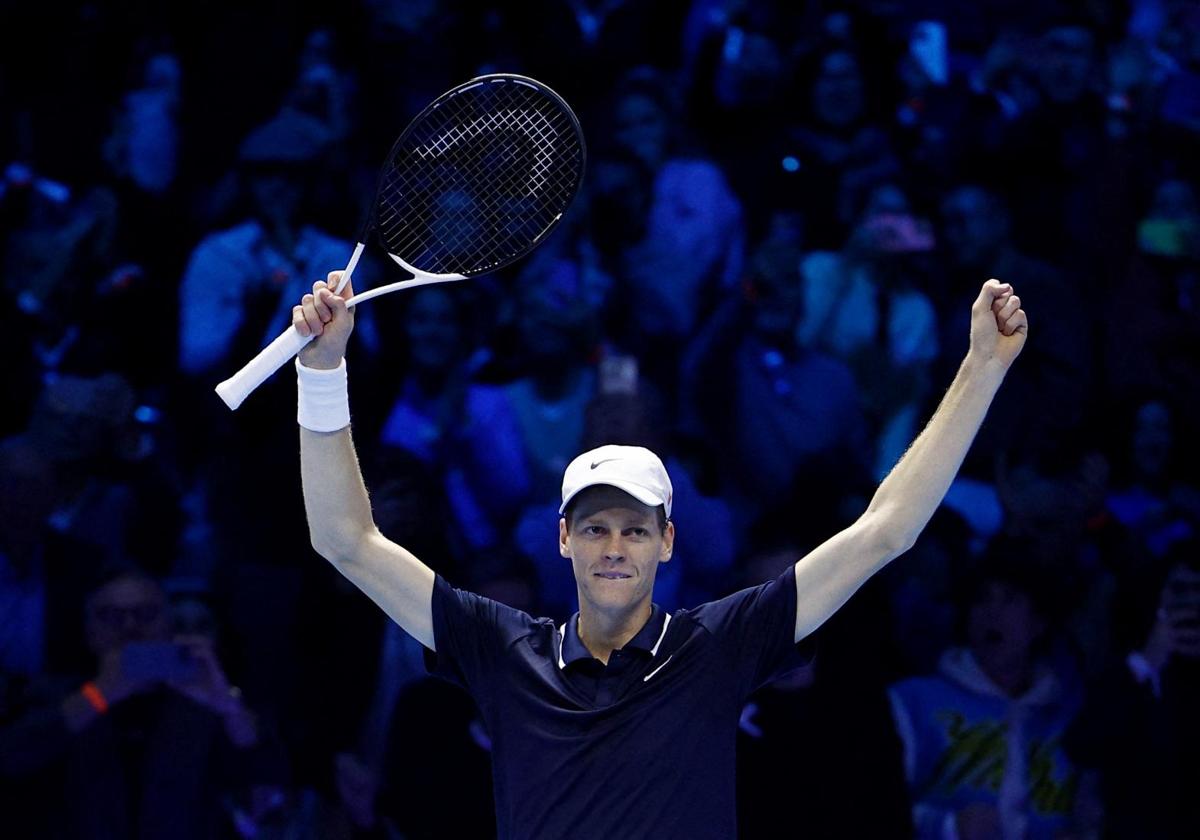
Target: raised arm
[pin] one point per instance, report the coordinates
(912, 491)
(340, 524)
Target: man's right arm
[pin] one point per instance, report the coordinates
(340, 524)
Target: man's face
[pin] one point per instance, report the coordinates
(838, 90)
(615, 552)
(126, 610)
(640, 126)
(972, 227)
(1003, 625)
(1066, 63)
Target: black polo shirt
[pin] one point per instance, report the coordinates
(641, 748)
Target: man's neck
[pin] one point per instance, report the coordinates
(603, 632)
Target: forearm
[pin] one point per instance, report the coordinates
(335, 497)
(907, 498)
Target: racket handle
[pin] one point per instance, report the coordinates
(275, 355)
(270, 359)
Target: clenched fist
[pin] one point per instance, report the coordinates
(999, 325)
(325, 315)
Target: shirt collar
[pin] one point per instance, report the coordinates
(571, 648)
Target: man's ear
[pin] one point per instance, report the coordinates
(564, 538)
(668, 543)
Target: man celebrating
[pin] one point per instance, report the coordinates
(621, 722)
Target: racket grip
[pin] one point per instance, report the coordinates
(270, 359)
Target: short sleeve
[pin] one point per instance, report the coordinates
(471, 634)
(756, 627)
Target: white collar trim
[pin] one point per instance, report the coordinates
(562, 639)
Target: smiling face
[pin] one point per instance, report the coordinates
(615, 544)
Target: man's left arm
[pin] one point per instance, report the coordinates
(907, 498)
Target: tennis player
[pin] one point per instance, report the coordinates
(621, 722)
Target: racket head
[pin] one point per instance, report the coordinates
(480, 177)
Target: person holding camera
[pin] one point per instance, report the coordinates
(156, 733)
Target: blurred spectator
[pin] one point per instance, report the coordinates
(56, 243)
(1138, 734)
(828, 722)
(55, 240)
(739, 76)
(322, 91)
(26, 500)
(1003, 75)
(157, 733)
(1055, 507)
(865, 305)
(436, 353)
(977, 240)
(1151, 499)
(692, 247)
(516, 438)
(982, 737)
(841, 147)
(111, 492)
(437, 775)
(921, 591)
(241, 283)
(144, 144)
(581, 41)
(1154, 345)
(771, 429)
(939, 121)
(1065, 175)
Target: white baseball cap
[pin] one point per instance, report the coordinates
(634, 469)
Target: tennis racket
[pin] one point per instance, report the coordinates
(476, 181)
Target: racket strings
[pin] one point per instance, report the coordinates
(505, 180)
(499, 221)
(480, 179)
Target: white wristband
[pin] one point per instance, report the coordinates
(323, 401)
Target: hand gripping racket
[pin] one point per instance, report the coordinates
(474, 183)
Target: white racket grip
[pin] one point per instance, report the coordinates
(278, 353)
(271, 358)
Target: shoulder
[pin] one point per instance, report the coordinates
(745, 604)
(231, 243)
(462, 607)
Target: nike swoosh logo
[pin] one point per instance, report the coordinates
(605, 461)
(656, 670)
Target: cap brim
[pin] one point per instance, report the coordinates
(642, 494)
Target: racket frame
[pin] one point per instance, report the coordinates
(234, 390)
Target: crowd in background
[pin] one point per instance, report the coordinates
(767, 279)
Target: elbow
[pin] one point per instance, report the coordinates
(325, 548)
(887, 538)
(338, 546)
(895, 547)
